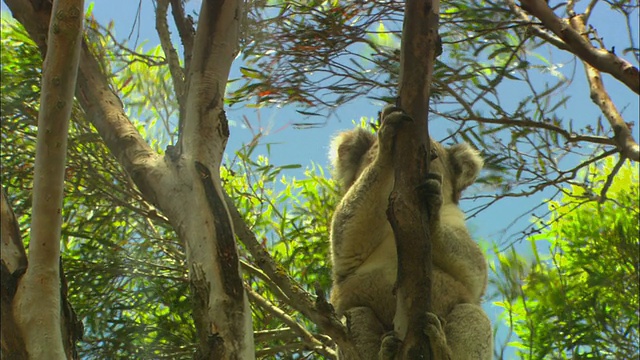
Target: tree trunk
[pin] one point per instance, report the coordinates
(221, 306)
(413, 241)
(37, 306)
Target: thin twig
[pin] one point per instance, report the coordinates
(612, 175)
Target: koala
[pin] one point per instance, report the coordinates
(363, 249)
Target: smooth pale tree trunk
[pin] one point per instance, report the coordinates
(197, 209)
(185, 182)
(37, 306)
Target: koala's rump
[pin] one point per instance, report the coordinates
(373, 290)
(447, 292)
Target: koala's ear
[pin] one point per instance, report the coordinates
(466, 164)
(348, 150)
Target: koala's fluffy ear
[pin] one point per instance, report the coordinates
(466, 164)
(348, 150)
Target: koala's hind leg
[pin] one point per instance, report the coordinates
(365, 331)
(469, 333)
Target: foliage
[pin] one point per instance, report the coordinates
(580, 299)
(291, 217)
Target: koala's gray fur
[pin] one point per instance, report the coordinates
(363, 247)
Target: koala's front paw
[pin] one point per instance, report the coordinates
(437, 337)
(391, 118)
(431, 193)
(390, 346)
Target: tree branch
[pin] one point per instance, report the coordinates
(12, 267)
(535, 29)
(281, 333)
(105, 111)
(38, 302)
(186, 31)
(309, 339)
(600, 59)
(162, 27)
(568, 136)
(13, 253)
(622, 134)
(275, 289)
(609, 181)
(102, 106)
(206, 129)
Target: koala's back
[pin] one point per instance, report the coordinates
(371, 284)
(363, 244)
(374, 290)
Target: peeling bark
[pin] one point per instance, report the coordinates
(12, 267)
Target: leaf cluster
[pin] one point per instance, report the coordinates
(291, 217)
(578, 298)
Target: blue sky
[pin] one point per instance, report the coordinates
(293, 146)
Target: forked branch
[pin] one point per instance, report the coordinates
(601, 59)
(622, 134)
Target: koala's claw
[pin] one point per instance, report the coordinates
(433, 154)
(392, 113)
(391, 119)
(434, 177)
(390, 346)
(437, 337)
(430, 192)
(434, 329)
(432, 186)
